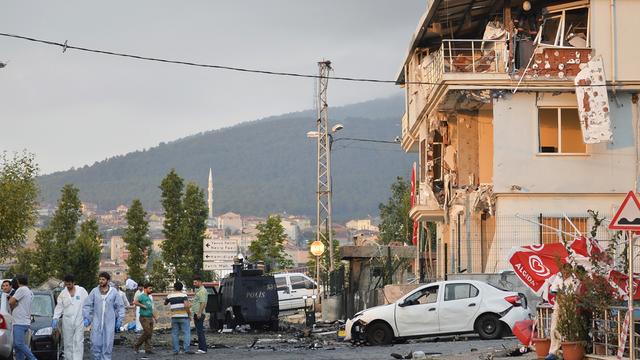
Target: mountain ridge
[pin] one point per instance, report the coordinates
(261, 166)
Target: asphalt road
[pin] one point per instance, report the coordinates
(280, 346)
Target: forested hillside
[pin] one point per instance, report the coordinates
(259, 167)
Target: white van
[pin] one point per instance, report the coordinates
(292, 287)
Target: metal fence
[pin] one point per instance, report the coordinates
(475, 56)
(481, 244)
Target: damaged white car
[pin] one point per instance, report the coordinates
(440, 308)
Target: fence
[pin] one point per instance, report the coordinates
(481, 244)
(475, 56)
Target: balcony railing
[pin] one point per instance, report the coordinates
(475, 56)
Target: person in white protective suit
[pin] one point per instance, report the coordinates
(69, 308)
(104, 311)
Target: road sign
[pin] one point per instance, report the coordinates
(218, 256)
(216, 266)
(219, 245)
(628, 215)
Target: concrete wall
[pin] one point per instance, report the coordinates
(606, 168)
(626, 14)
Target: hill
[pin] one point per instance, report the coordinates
(259, 167)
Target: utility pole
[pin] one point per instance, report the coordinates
(323, 193)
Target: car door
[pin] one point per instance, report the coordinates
(298, 290)
(418, 313)
(459, 306)
(284, 293)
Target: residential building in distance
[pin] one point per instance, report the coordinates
(361, 224)
(519, 116)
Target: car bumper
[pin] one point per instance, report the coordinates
(515, 314)
(6, 344)
(354, 330)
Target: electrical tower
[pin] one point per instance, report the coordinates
(323, 219)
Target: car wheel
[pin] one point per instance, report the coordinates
(489, 327)
(378, 333)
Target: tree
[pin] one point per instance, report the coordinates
(172, 187)
(395, 224)
(18, 195)
(159, 276)
(269, 245)
(136, 236)
(63, 228)
(86, 254)
(193, 223)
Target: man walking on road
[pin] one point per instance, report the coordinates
(199, 304)
(20, 304)
(147, 318)
(180, 314)
(104, 311)
(69, 307)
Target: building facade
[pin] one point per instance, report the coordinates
(524, 115)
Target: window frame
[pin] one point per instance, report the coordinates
(471, 286)
(559, 133)
(559, 40)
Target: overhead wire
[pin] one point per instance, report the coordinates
(66, 46)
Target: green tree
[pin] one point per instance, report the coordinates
(159, 276)
(18, 195)
(86, 254)
(269, 245)
(193, 223)
(395, 224)
(63, 227)
(136, 236)
(172, 188)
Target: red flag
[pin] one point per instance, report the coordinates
(620, 283)
(414, 233)
(535, 264)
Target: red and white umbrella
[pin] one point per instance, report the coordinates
(535, 265)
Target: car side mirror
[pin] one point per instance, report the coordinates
(407, 302)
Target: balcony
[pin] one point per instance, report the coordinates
(427, 207)
(457, 64)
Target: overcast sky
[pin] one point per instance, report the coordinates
(76, 108)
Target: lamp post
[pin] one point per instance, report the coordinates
(317, 249)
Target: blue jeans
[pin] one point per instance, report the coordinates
(22, 350)
(180, 325)
(202, 341)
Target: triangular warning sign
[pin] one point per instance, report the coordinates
(628, 215)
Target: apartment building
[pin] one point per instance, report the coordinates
(521, 112)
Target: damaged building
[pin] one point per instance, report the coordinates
(521, 112)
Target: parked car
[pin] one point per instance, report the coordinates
(44, 340)
(441, 308)
(292, 288)
(6, 326)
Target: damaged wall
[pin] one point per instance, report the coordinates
(606, 168)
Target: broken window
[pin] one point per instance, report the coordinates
(559, 131)
(565, 27)
(550, 236)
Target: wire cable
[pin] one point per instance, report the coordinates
(65, 46)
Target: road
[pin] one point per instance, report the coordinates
(283, 346)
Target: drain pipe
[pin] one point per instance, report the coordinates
(612, 24)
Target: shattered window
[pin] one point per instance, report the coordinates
(567, 28)
(559, 131)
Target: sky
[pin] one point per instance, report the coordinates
(71, 109)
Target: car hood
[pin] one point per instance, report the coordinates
(377, 312)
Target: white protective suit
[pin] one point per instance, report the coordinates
(70, 309)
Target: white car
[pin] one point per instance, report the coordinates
(439, 308)
(295, 290)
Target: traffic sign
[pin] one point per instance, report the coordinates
(218, 256)
(216, 266)
(219, 245)
(628, 215)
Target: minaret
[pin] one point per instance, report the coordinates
(210, 200)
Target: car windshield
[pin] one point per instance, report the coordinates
(41, 305)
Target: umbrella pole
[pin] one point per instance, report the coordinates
(544, 225)
(632, 354)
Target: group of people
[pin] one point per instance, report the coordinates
(104, 310)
